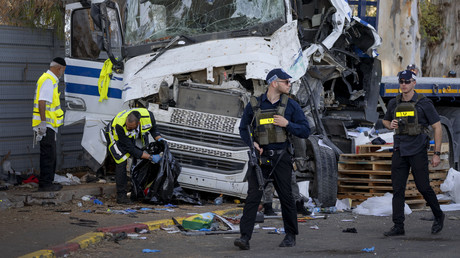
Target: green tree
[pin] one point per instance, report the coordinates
(431, 24)
(43, 14)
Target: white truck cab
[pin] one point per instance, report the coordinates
(196, 63)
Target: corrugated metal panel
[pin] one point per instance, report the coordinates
(24, 55)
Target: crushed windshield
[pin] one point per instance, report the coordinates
(151, 20)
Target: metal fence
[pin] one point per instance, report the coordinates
(24, 55)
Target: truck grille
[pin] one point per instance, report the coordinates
(204, 121)
(208, 163)
(210, 139)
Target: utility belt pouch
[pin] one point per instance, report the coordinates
(265, 161)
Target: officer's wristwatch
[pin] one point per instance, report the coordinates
(437, 153)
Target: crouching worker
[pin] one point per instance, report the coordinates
(121, 134)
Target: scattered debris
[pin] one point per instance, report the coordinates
(136, 236)
(86, 198)
(141, 230)
(368, 249)
(150, 251)
(315, 227)
(97, 202)
(379, 206)
(118, 237)
(350, 230)
(278, 231)
(84, 222)
(69, 180)
(198, 221)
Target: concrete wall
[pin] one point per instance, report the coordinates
(24, 55)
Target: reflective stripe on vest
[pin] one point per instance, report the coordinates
(53, 112)
(406, 114)
(265, 132)
(120, 119)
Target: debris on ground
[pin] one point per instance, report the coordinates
(84, 222)
(379, 206)
(150, 251)
(368, 250)
(350, 230)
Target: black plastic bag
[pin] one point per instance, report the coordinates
(157, 183)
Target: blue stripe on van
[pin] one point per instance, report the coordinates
(91, 90)
(82, 71)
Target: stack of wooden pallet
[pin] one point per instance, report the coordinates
(368, 174)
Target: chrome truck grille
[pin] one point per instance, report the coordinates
(204, 121)
(206, 138)
(210, 163)
(203, 141)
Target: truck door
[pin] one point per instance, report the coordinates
(85, 55)
(93, 34)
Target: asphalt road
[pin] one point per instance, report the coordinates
(326, 241)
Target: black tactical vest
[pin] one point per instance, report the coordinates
(265, 132)
(406, 114)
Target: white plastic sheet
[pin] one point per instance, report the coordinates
(69, 180)
(451, 185)
(344, 204)
(379, 206)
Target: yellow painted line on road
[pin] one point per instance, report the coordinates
(229, 212)
(40, 254)
(87, 239)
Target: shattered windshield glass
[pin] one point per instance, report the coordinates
(151, 20)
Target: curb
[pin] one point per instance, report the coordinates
(92, 238)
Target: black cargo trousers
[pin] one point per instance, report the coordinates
(282, 182)
(399, 172)
(47, 158)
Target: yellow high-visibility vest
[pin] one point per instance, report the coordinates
(53, 112)
(120, 119)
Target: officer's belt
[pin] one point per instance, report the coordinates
(271, 153)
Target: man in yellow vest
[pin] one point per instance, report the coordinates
(121, 133)
(46, 118)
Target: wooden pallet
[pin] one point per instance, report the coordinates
(368, 174)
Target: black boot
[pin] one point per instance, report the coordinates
(123, 199)
(268, 209)
(242, 243)
(288, 241)
(438, 224)
(395, 231)
(301, 208)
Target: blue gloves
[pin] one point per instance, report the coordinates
(155, 158)
(160, 139)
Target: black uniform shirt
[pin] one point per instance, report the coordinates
(298, 124)
(427, 115)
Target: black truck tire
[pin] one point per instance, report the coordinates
(324, 185)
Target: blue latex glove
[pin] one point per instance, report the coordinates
(160, 139)
(155, 158)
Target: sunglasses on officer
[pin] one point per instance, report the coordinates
(402, 81)
(284, 81)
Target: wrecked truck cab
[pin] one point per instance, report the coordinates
(195, 65)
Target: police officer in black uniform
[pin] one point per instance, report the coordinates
(272, 117)
(410, 114)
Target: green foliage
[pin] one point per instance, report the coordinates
(42, 14)
(431, 23)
